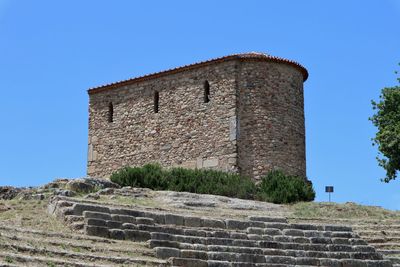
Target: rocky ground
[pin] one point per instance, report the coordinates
(30, 235)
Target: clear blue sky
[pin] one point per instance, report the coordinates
(51, 52)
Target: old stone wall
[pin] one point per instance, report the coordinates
(252, 123)
(185, 131)
(271, 119)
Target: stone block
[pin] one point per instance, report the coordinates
(219, 234)
(80, 208)
(272, 231)
(194, 254)
(212, 263)
(210, 163)
(307, 261)
(117, 234)
(194, 232)
(238, 235)
(137, 235)
(174, 219)
(253, 258)
(144, 220)
(163, 243)
(222, 256)
(213, 223)
(185, 262)
(236, 224)
(129, 226)
(97, 215)
(165, 253)
(255, 237)
(114, 224)
(163, 236)
(95, 222)
(255, 230)
(123, 218)
(191, 221)
(292, 232)
(97, 231)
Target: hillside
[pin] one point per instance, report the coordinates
(43, 227)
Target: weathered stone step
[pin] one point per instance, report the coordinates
(77, 256)
(377, 227)
(382, 239)
(389, 252)
(188, 258)
(210, 263)
(73, 245)
(78, 209)
(379, 233)
(317, 244)
(29, 260)
(395, 260)
(264, 251)
(387, 246)
(55, 234)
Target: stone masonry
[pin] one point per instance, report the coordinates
(242, 113)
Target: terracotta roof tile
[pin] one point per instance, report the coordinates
(244, 56)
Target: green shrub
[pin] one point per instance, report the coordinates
(186, 180)
(279, 188)
(149, 176)
(275, 187)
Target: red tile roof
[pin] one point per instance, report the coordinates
(244, 56)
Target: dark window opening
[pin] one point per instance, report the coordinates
(206, 92)
(156, 101)
(110, 112)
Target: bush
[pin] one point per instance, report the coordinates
(276, 187)
(279, 188)
(186, 180)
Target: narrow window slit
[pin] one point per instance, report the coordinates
(110, 112)
(156, 101)
(206, 92)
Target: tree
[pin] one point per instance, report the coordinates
(387, 120)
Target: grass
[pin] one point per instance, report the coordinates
(30, 213)
(347, 210)
(8, 259)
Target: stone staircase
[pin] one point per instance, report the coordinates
(28, 247)
(187, 240)
(383, 235)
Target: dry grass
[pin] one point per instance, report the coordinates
(347, 210)
(29, 213)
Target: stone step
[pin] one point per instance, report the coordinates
(377, 227)
(82, 257)
(379, 233)
(78, 209)
(116, 248)
(317, 244)
(395, 260)
(30, 260)
(382, 239)
(264, 251)
(237, 259)
(253, 233)
(389, 252)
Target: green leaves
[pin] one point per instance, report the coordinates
(279, 188)
(387, 120)
(275, 186)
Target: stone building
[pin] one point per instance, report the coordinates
(241, 113)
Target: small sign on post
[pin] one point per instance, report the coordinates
(329, 190)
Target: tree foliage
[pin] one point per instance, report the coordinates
(387, 120)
